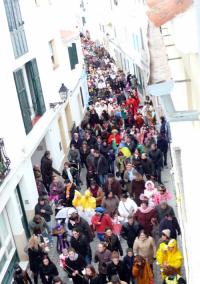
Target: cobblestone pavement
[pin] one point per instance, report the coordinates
(168, 180)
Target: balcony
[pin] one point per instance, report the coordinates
(4, 162)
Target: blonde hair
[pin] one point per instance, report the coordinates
(138, 177)
(33, 242)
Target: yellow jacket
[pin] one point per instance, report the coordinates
(161, 254)
(77, 201)
(87, 201)
(174, 256)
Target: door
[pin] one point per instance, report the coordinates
(23, 212)
(62, 135)
(23, 100)
(69, 119)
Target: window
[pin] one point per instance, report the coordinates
(16, 27)
(141, 39)
(31, 107)
(82, 100)
(73, 56)
(53, 53)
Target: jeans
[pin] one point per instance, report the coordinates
(88, 259)
(100, 236)
(102, 179)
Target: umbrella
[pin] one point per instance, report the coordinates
(65, 212)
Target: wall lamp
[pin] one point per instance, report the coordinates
(63, 92)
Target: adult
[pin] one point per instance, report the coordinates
(56, 189)
(116, 280)
(130, 230)
(116, 267)
(102, 257)
(114, 139)
(127, 206)
(43, 209)
(76, 141)
(74, 265)
(147, 166)
(144, 245)
(162, 144)
(141, 271)
(48, 270)
(47, 169)
(70, 173)
(20, 276)
(84, 152)
(101, 167)
(129, 175)
(74, 155)
(57, 280)
(97, 192)
(101, 220)
(112, 241)
(163, 209)
(69, 193)
(170, 222)
(157, 158)
(38, 226)
(137, 187)
(81, 245)
(90, 276)
(173, 277)
(113, 185)
(144, 216)
(110, 202)
(165, 128)
(35, 254)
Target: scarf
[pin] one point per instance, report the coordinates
(74, 258)
(145, 211)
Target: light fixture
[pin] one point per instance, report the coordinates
(63, 92)
(4, 162)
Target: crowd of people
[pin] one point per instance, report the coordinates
(123, 152)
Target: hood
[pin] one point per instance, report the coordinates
(77, 194)
(149, 182)
(87, 194)
(173, 244)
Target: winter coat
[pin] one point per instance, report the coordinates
(101, 165)
(84, 154)
(77, 143)
(127, 208)
(76, 264)
(74, 156)
(81, 246)
(113, 244)
(22, 278)
(120, 164)
(162, 144)
(147, 167)
(172, 225)
(49, 270)
(90, 161)
(115, 187)
(91, 142)
(130, 232)
(56, 190)
(105, 220)
(35, 258)
(110, 204)
(161, 213)
(48, 211)
(119, 269)
(112, 137)
(89, 280)
(157, 158)
(146, 248)
(103, 258)
(128, 262)
(88, 201)
(46, 169)
(40, 228)
(145, 219)
(83, 227)
(98, 194)
(137, 187)
(146, 277)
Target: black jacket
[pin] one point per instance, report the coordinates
(113, 244)
(77, 143)
(50, 271)
(119, 269)
(78, 264)
(83, 227)
(101, 165)
(95, 280)
(162, 144)
(48, 211)
(81, 246)
(156, 157)
(172, 225)
(130, 232)
(35, 259)
(147, 167)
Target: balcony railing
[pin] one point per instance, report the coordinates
(4, 162)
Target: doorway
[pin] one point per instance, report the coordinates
(22, 212)
(62, 135)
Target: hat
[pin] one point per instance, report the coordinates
(114, 131)
(166, 232)
(172, 243)
(100, 210)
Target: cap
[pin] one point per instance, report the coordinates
(166, 232)
(100, 210)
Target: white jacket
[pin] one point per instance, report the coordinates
(127, 208)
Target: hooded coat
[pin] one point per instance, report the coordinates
(144, 218)
(88, 201)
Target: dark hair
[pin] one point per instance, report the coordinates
(76, 230)
(47, 153)
(142, 231)
(57, 279)
(145, 201)
(115, 279)
(129, 250)
(46, 257)
(91, 267)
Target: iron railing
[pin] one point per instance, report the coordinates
(4, 162)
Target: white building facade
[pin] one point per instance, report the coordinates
(40, 50)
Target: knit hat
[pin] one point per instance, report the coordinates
(166, 232)
(100, 210)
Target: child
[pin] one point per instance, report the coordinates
(116, 222)
(162, 195)
(62, 258)
(128, 263)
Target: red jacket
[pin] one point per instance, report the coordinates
(106, 222)
(112, 136)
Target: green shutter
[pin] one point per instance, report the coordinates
(35, 87)
(70, 52)
(23, 100)
(75, 53)
(73, 56)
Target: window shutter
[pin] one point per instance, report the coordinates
(73, 56)
(70, 52)
(23, 100)
(75, 53)
(35, 86)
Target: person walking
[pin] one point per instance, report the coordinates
(20, 276)
(127, 206)
(130, 230)
(157, 158)
(116, 267)
(110, 202)
(48, 270)
(113, 242)
(90, 277)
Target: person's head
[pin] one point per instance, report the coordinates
(90, 271)
(76, 136)
(144, 156)
(93, 184)
(47, 154)
(109, 195)
(55, 179)
(144, 204)
(163, 205)
(129, 166)
(172, 245)
(108, 232)
(170, 271)
(139, 261)
(115, 279)
(142, 235)
(33, 242)
(99, 210)
(76, 233)
(162, 119)
(66, 165)
(110, 178)
(84, 146)
(71, 253)
(101, 247)
(153, 146)
(96, 153)
(166, 234)
(130, 219)
(115, 257)
(162, 189)
(149, 185)
(74, 217)
(45, 260)
(57, 280)
(169, 217)
(65, 252)
(129, 252)
(124, 196)
(99, 140)
(18, 269)
(37, 219)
